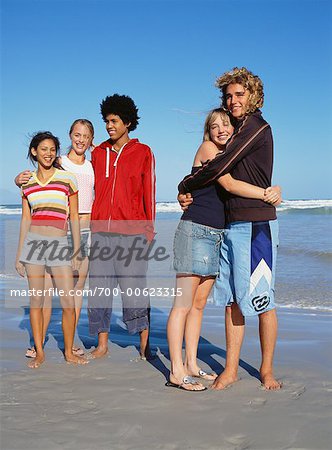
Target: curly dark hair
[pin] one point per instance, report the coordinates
(248, 80)
(122, 106)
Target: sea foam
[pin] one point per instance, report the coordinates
(174, 207)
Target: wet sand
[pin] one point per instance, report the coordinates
(121, 403)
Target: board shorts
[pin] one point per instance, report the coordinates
(85, 241)
(51, 251)
(196, 249)
(247, 266)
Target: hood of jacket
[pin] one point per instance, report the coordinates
(107, 146)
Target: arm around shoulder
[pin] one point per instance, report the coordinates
(22, 178)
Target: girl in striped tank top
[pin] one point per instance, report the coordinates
(81, 134)
(48, 197)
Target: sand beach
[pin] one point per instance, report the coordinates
(121, 402)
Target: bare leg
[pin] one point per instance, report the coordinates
(79, 286)
(268, 326)
(63, 278)
(234, 327)
(35, 274)
(193, 327)
(176, 326)
(47, 306)
(145, 352)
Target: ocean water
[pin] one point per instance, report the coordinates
(304, 276)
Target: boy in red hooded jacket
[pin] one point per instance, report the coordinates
(123, 215)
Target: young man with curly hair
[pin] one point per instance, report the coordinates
(122, 222)
(245, 285)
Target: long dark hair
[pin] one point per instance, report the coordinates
(37, 138)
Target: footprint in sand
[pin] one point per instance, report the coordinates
(81, 407)
(240, 441)
(257, 403)
(327, 386)
(127, 431)
(298, 392)
(295, 390)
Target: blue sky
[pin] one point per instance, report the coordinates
(60, 58)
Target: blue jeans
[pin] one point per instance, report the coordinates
(107, 273)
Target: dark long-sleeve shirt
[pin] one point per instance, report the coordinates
(248, 157)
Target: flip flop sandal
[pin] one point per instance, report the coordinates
(185, 380)
(77, 351)
(202, 374)
(31, 353)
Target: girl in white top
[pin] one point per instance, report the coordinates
(81, 134)
(85, 179)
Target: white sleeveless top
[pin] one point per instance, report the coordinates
(85, 181)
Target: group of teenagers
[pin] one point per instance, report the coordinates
(227, 236)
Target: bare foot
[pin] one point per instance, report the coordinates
(186, 383)
(195, 371)
(98, 352)
(37, 361)
(146, 354)
(73, 359)
(78, 351)
(269, 382)
(223, 381)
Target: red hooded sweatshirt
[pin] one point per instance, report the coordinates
(125, 185)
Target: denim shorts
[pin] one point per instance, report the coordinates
(85, 241)
(196, 249)
(247, 267)
(51, 251)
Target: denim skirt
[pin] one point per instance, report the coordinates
(196, 249)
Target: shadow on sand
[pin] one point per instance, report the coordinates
(207, 351)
